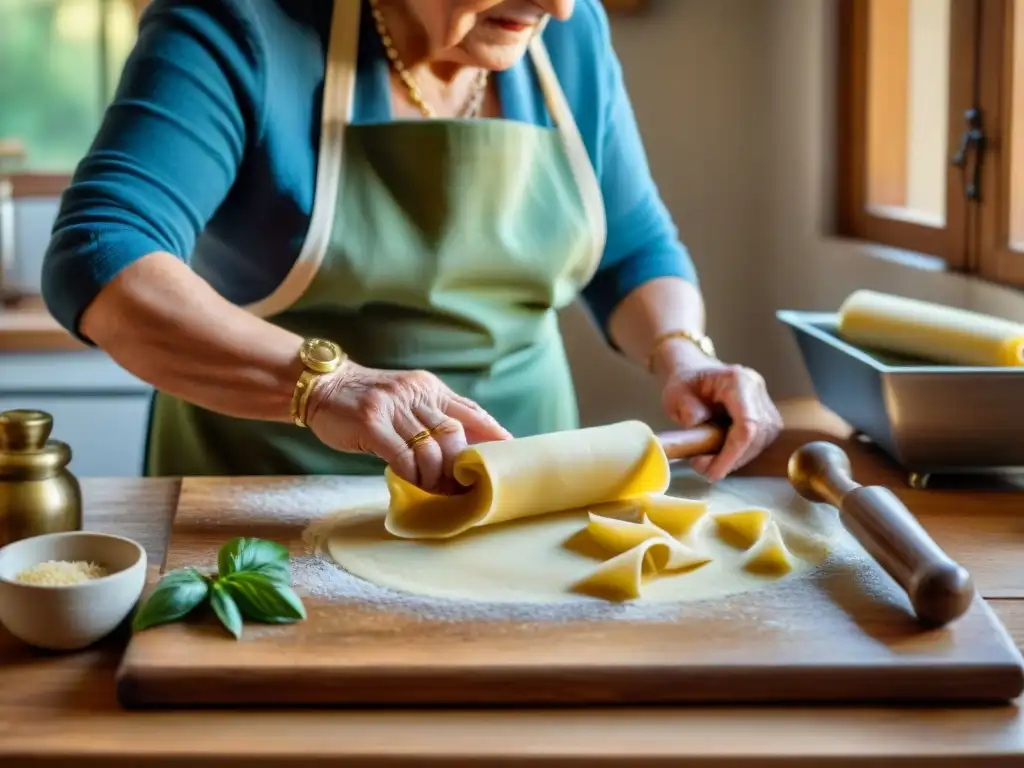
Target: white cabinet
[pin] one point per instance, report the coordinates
(98, 409)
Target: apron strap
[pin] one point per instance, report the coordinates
(579, 160)
(338, 97)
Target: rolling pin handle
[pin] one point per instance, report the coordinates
(939, 589)
(687, 443)
(943, 594)
(821, 472)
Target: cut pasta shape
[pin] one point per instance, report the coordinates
(621, 577)
(618, 536)
(620, 509)
(769, 555)
(512, 479)
(805, 544)
(675, 516)
(742, 528)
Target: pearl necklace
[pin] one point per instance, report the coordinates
(473, 104)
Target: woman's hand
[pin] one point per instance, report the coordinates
(691, 396)
(366, 410)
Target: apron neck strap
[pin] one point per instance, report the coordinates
(342, 61)
(554, 96)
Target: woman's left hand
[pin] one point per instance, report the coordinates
(694, 393)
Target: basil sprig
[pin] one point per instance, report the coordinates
(226, 609)
(255, 556)
(253, 580)
(174, 598)
(261, 598)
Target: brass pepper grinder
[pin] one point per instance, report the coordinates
(38, 494)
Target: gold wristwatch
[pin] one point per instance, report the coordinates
(318, 356)
(702, 342)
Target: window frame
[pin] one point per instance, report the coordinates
(853, 216)
(996, 259)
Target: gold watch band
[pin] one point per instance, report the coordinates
(319, 357)
(703, 343)
(300, 397)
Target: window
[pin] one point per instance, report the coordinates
(931, 130)
(60, 61)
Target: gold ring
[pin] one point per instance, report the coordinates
(418, 438)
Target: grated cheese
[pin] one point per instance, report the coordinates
(60, 573)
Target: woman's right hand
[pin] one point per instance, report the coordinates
(367, 410)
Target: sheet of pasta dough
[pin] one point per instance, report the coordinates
(538, 559)
(930, 331)
(530, 476)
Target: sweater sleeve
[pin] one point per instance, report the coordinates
(643, 243)
(166, 154)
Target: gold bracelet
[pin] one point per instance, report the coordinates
(300, 400)
(703, 343)
(297, 400)
(318, 356)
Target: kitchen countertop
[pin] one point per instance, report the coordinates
(59, 709)
(26, 326)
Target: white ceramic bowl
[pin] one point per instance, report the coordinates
(70, 617)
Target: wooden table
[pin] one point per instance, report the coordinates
(58, 709)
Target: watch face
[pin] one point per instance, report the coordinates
(320, 355)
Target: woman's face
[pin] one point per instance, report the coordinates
(492, 34)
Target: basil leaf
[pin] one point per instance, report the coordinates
(174, 597)
(262, 599)
(226, 609)
(255, 555)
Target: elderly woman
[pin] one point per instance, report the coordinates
(336, 234)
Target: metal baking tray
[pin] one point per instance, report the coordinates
(932, 419)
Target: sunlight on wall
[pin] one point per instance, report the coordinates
(908, 109)
(928, 126)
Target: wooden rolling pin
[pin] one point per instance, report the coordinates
(939, 589)
(687, 443)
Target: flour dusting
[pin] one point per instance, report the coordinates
(312, 504)
(316, 576)
(301, 500)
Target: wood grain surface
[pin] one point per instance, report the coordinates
(845, 633)
(62, 709)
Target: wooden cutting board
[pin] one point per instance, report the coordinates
(841, 633)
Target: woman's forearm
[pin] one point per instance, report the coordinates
(657, 307)
(169, 327)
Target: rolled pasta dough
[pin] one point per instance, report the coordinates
(930, 331)
(531, 476)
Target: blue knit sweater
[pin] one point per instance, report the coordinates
(208, 150)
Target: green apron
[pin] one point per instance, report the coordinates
(444, 245)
